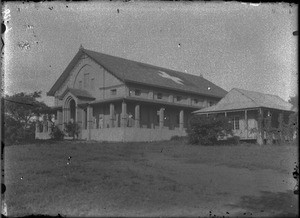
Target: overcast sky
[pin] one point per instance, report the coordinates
(231, 44)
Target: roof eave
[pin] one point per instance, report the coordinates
(65, 74)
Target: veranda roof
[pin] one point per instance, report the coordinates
(243, 99)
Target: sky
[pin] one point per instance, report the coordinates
(234, 45)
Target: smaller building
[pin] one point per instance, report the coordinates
(248, 110)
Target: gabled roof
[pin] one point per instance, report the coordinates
(81, 94)
(141, 73)
(243, 99)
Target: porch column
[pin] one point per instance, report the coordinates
(137, 116)
(111, 115)
(246, 123)
(83, 118)
(181, 120)
(260, 136)
(269, 135)
(123, 115)
(44, 124)
(280, 127)
(225, 114)
(89, 120)
(49, 123)
(59, 119)
(37, 125)
(161, 118)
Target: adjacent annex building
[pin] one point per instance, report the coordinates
(245, 107)
(115, 99)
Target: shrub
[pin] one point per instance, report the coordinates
(56, 133)
(178, 138)
(72, 129)
(206, 130)
(233, 140)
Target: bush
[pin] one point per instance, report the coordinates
(56, 133)
(178, 138)
(72, 129)
(207, 130)
(233, 140)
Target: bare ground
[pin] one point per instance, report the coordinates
(150, 179)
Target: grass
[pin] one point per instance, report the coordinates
(151, 179)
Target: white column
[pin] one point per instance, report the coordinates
(37, 125)
(246, 123)
(124, 115)
(59, 118)
(137, 116)
(181, 120)
(89, 120)
(260, 132)
(83, 118)
(44, 124)
(111, 115)
(49, 123)
(161, 118)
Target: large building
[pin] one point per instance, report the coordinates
(244, 108)
(115, 99)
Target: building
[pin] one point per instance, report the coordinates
(244, 108)
(115, 99)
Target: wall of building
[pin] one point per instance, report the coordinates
(246, 130)
(90, 76)
(151, 93)
(132, 134)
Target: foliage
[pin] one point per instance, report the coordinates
(56, 133)
(72, 129)
(19, 112)
(235, 140)
(207, 130)
(294, 100)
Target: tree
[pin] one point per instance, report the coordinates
(19, 112)
(207, 130)
(72, 129)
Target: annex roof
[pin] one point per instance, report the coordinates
(243, 99)
(136, 72)
(79, 93)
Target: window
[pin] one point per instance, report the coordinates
(86, 80)
(235, 122)
(137, 92)
(195, 101)
(113, 91)
(80, 85)
(178, 98)
(92, 83)
(159, 95)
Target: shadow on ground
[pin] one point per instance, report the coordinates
(279, 204)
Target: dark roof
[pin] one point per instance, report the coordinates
(141, 73)
(81, 94)
(244, 99)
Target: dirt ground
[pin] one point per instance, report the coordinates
(150, 179)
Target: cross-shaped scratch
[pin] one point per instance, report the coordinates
(175, 79)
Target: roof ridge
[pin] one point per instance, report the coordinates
(258, 92)
(239, 90)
